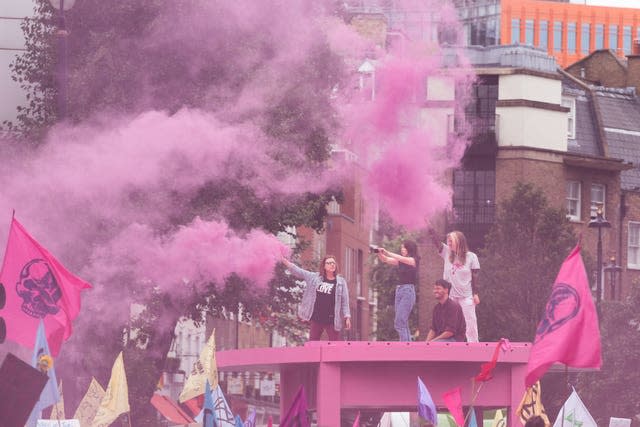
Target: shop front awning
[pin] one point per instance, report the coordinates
(170, 410)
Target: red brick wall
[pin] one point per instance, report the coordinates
(550, 174)
(601, 68)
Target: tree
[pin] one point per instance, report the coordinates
(619, 377)
(520, 262)
(522, 257)
(129, 57)
(34, 72)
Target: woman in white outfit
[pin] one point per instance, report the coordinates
(461, 268)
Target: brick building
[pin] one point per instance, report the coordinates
(607, 87)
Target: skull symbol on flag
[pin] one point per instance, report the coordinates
(38, 289)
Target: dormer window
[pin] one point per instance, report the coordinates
(570, 103)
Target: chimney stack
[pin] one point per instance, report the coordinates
(633, 66)
(635, 48)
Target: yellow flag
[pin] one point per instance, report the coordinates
(116, 399)
(89, 404)
(204, 368)
(531, 405)
(57, 412)
(499, 420)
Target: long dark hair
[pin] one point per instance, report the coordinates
(412, 251)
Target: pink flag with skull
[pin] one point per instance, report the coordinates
(38, 287)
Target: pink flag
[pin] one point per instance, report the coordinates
(453, 401)
(569, 331)
(38, 287)
(486, 369)
(297, 415)
(356, 422)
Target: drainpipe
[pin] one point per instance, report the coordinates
(622, 214)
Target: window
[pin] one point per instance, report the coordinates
(573, 200)
(474, 196)
(557, 36)
(492, 32)
(633, 245)
(599, 36)
(597, 198)
(484, 96)
(515, 31)
(571, 119)
(586, 39)
(543, 40)
(613, 37)
(626, 39)
(528, 31)
(571, 37)
(350, 269)
(333, 207)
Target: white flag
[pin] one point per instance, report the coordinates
(574, 413)
(116, 399)
(205, 368)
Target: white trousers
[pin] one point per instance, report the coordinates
(469, 312)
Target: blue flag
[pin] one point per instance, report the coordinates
(43, 361)
(472, 420)
(251, 419)
(208, 414)
(239, 422)
(426, 407)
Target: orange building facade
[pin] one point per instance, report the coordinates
(569, 31)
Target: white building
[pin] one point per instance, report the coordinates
(12, 14)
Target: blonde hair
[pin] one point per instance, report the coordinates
(461, 247)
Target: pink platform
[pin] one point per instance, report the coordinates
(383, 375)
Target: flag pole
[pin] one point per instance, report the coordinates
(473, 399)
(566, 381)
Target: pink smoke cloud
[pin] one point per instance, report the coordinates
(199, 252)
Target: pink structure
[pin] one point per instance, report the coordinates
(383, 375)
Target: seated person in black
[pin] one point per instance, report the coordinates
(448, 322)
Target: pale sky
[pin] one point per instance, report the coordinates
(615, 3)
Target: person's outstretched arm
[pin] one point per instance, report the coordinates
(396, 258)
(437, 243)
(299, 272)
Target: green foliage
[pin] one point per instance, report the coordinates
(128, 57)
(613, 391)
(34, 71)
(383, 279)
(523, 254)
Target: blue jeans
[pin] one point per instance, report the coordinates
(405, 299)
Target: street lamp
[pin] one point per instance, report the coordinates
(613, 271)
(61, 72)
(599, 222)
